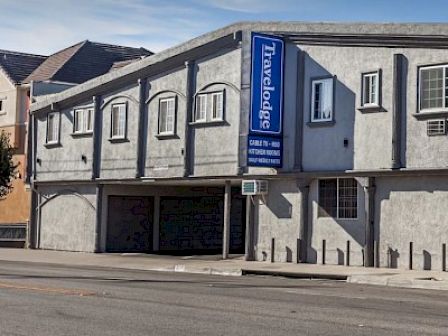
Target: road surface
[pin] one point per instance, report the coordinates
(39, 299)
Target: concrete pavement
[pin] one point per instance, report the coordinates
(235, 266)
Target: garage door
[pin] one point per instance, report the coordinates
(129, 227)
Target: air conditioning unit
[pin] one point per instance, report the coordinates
(254, 187)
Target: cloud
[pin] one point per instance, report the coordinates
(47, 26)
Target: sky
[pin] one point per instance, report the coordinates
(46, 26)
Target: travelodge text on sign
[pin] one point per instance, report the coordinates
(266, 109)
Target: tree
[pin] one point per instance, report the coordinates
(7, 166)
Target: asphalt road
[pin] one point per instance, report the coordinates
(53, 300)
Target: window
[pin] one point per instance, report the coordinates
(201, 108)
(433, 90)
(167, 115)
(88, 120)
(338, 198)
(83, 121)
(2, 106)
(322, 100)
(209, 107)
(370, 89)
(217, 105)
(53, 128)
(118, 125)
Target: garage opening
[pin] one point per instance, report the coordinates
(130, 224)
(194, 225)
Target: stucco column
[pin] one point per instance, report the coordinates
(190, 91)
(97, 137)
(304, 189)
(226, 229)
(99, 216)
(397, 109)
(141, 143)
(369, 197)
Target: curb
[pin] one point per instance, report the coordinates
(297, 275)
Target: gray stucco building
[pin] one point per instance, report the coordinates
(151, 157)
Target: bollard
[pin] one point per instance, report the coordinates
(376, 254)
(347, 256)
(299, 242)
(411, 247)
(272, 250)
(324, 243)
(444, 257)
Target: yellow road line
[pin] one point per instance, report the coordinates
(63, 291)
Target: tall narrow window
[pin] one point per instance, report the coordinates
(118, 126)
(167, 115)
(53, 128)
(78, 121)
(322, 100)
(88, 120)
(201, 108)
(370, 85)
(217, 105)
(433, 88)
(338, 198)
(2, 106)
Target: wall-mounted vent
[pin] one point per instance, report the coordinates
(436, 127)
(254, 187)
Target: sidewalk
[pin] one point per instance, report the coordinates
(232, 267)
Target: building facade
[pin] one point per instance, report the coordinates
(151, 158)
(25, 78)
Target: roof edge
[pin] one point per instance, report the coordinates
(418, 30)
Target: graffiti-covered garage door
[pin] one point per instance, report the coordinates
(195, 225)
(129, 227)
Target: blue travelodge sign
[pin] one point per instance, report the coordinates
(266, 110)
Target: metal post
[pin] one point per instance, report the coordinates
(272, 250)
(348, 253)
(299, 242)
(226, 231)
(376, 251)
(249, 243)
(411, 248)
(444, 257)
(324, 246)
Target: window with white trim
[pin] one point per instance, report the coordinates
(370, 89)
(83, 121)
(433, 88)
(322, 100)
(118, 122)
(217, 106)
(209, 106)
(167, 115)
(201, 108)
(53, 128)
(338, 198)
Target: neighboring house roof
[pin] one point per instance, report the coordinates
(17, 66)
(84, 61)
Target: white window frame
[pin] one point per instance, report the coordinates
(56, 128)
(322, 81)
(167, 130)
(371, 77)
(445, 96)
(122, 120)
(89, 128)
(337, 199)
(220, 116)
(81, 125)
(198, 112)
